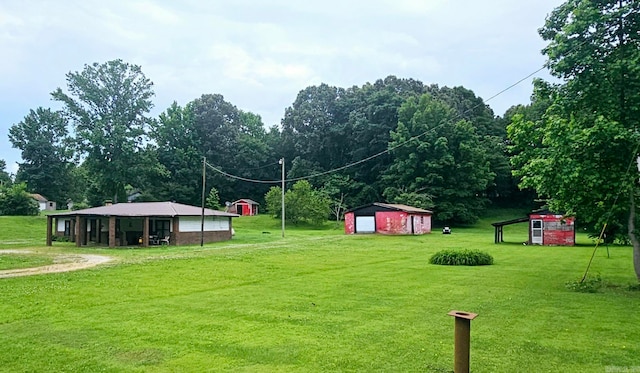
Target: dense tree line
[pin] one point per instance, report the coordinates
(404, 141)
(396, 140)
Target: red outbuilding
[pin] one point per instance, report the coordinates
(244, 207)
(385, 218)
(547, 228)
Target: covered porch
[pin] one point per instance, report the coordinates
(112, 231)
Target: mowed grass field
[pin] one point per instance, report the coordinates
(318, 300)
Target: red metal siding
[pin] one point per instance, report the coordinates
(349, 223)
(421, 224)
(556, 230)
(243, 208)
(392, 222)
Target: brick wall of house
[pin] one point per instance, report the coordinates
(193, 238)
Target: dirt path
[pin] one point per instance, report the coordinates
(69, 263)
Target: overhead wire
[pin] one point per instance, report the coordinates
(376, 155)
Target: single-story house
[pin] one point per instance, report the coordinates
(244, 207)
(545, 228)
(43, 202)
(144, 223)
(386, 218)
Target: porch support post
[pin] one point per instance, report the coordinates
(83, 227)
(175, 230)
(145, 232)
(78, 230)
(49, 229)
(99, 232)
(112, 231)
(72, 230)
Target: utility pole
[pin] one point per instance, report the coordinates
(204, 181)
(282, 163)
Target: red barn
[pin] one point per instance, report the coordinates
(547, 228)
(387, 218)
(245, 207)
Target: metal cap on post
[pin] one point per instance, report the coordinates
(462, 340)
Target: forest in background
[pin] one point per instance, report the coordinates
(403, 141)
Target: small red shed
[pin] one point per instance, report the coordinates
(244, 207)
(386, 218)
(547, 228)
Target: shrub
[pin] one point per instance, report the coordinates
(15, 200)
(80, 206)
(634, 287)
(60, 238)
(589, 285)
(461, 258)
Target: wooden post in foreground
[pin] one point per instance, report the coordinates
(462, 340)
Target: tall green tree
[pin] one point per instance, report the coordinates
(213, 200)
(179, 149)
(47, 166)
(231, 140)
(439, 162)
(586, 142)
(314, 127)
(108, 105)
(5, 178)
(302, 202)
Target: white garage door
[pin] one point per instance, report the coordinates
(365, 224)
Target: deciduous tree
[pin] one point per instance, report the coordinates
(5, 178)
(439, 158)
(586, 142)
(108, 105)
(42, 136)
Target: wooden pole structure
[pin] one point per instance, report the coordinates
(282, 163)
(204, 181)
(462, 331)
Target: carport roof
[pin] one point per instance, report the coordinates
(169, 209)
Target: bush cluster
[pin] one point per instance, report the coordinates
(60, 238)
(589, 285)
(461, 258)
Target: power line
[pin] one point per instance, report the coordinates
(352, 164)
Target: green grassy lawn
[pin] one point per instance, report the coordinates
(319, 300)
(15, 261)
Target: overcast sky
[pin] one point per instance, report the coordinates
(259, 54)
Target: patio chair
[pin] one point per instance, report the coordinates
(154, 240)
(165, 240)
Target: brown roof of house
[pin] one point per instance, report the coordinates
(147, 209)
(39, 197)
(393, 206)
(249, 201)
(406, 208)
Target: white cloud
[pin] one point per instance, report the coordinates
(259, 55)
